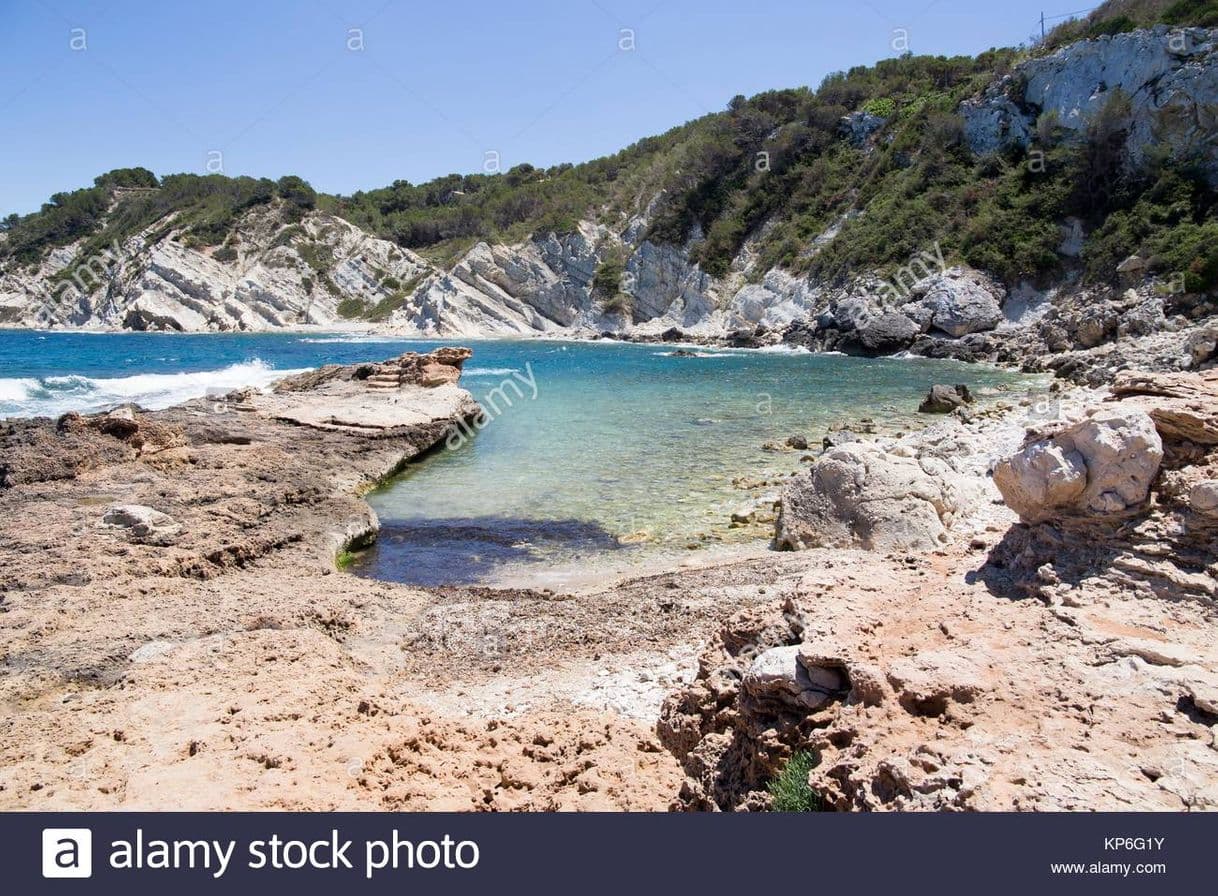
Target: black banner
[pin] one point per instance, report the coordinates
(814, 853)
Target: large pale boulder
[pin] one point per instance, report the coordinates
(858, 495)
(959, 301)
(1101, 466)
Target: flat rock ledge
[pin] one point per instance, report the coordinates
(222, 482)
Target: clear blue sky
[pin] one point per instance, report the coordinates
(272, 85)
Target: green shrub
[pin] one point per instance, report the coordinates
(225, 254)
(882, 106)
(607, 281)
(1192, 12)
(1109, 27)
(351, 308)
(318, 256)
(620, 304)
(789, 791)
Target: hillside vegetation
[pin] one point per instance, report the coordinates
(877, 153)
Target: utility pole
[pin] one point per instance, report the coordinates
(1042, 26)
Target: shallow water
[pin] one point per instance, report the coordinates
(590, 444)
(590, 451)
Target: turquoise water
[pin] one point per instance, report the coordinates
(626, 449)
(588, 448)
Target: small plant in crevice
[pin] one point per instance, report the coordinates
(789, 791)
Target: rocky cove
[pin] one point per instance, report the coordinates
(176, 631)
(866, 435)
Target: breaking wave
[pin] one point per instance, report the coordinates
(54, 395)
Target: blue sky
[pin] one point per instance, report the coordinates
(274, 88)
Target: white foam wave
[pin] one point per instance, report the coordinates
(55, 395)
(782, 348)
(489, 371)
(354, 339)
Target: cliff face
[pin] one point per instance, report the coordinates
(1168, 76)
(325, 271)
(278, 276)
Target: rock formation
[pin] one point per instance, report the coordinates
(1168, 76)
(861, 495)
(1101, 466)
(907, 677)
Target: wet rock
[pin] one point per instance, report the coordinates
(944, 399)
(1101, 466)
(799, 443)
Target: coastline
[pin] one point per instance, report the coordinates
(228, 664)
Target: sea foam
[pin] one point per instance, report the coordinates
(55, 395)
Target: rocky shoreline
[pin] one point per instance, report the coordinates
(175, 633)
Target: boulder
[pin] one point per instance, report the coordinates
(1134, 264)
(958, 302)
(778, 681)
(890, 332)
(858, 495)
(143, 525)
(799, 443)
(1201, 346)
(1102, 466)
(1096, 325)
(945, 399)
(1203, 498)
(1143, 319)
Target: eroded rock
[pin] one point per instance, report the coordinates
(1101, 466)
(860, 495)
